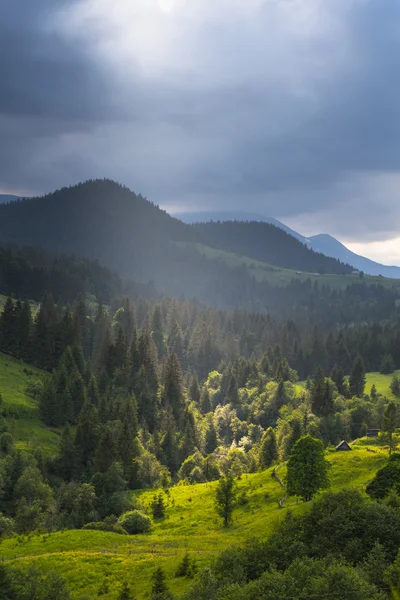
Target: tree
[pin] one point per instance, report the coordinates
(225, 499)
(125, 592)
(7, 590)
(307, 470)
(211, 438)
(318, 393)
(159, 590)
(395, 386)
(387, 365)
(268, 449)
(389, 424)
(357, 378)
(158, 506)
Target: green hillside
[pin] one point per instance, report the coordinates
(85, 558)
(262, 271)
(21, 409)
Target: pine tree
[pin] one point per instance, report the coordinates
(357, 378)
(194, 390)
(159, 590)
(87, 433)
(395, 386)
(211, 439)
(387, 365)
(67, 457)
(205, 402)
(157, 332)
(318, 390)
(173, 388)
(125, 593)
(8, 328)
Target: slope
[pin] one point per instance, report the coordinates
(329, 246)
(21, 408)
(321, 243)
(266, 243)
(103, 220)
(86, 558)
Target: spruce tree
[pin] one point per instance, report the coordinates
(159, 590)
(211, 438)
(357, 378)
(8, 327)
(268, 449)
(318, 389)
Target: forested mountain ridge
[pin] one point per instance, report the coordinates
(103, 220)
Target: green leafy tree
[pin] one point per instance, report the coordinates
(268, 449)
(7, 589)
(225, 499)
(307, 470)
(389, 424)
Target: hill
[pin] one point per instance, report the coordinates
(266, 243)
(21, 408)
(105, 221)
(321, 243)
(329, 246)
(86, 558)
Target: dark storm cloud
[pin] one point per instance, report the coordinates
(286, 108)
(40, 73)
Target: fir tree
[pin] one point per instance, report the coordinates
(357, 378)
(268, 449)
(318, 390)
(211, 439)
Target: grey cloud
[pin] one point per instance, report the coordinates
(239, 136)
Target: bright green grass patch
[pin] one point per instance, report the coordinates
(262, 271)
(22, 410)
(85, 558)
(382, 383)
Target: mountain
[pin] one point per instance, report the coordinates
(204, 217)
(322, 243)
(105, 221)
(266, 243)
(330, 246)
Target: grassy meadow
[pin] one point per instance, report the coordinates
(262, 271)
(22, 413)
(86, 558)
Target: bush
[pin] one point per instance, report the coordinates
(135, 521)
(105, 526)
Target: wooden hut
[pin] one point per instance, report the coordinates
(372, 433)
(343, 446)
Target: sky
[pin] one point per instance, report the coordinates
(288, 108)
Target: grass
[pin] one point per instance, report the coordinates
(262, 271)
(85, 558)
(382, 384)
(22, 412)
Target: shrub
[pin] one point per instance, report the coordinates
(135, 521)
(105, 526)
